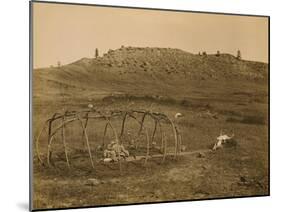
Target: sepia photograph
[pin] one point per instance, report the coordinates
(138, 105)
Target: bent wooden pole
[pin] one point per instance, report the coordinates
(37, 142)
(50, 126)
(113, 129)
(65, 122)
(52, 136)
(50, 133)
(147, 146)
(139, 122)
(86, 123)
(142, 121)
(176, 137)
(108, 123)
(104, 133)
(154, 130)
(162, 138)
(123, 125)
(133, 117)
(49, 150)
(64, 143)
(117, 140)
(180, 142)
(87, 141)
(165, 147)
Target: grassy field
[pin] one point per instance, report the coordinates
(237, 104)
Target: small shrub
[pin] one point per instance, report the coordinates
(185, 102)
(257, 120)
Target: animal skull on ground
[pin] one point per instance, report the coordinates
(221, 140)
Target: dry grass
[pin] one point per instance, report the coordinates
(236, 96)
(216, 175)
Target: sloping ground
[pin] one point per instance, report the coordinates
(213, 93)
(146, 70)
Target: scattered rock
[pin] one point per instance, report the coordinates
(93, 182)
(107, 160)
(114, 180)
(204, 167)
(113, 151)
(183, 148)
(245, 158)
(200, 155)
(99, 147)
(243, 179)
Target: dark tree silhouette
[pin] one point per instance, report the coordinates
(239, 57)
(96, 53)
(218, 53)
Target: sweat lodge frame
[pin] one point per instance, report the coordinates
(83, 116)
(80, 116)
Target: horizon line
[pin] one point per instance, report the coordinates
(144, 47)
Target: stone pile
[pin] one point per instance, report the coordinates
(115, 152)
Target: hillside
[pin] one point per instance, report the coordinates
(160, 71)
(214, 94)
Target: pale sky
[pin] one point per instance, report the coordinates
(67, 33)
